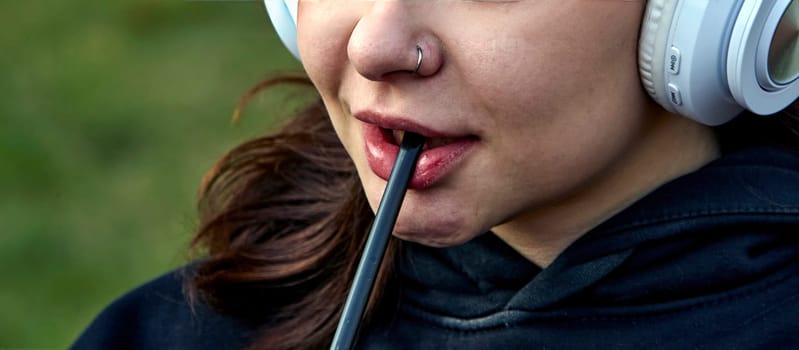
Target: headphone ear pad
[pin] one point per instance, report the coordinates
(652, 45)
(283, 14)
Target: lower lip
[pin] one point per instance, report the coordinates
(433, 163)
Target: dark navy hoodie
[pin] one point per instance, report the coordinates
(707, 261)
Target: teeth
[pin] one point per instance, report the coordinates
(398, 134)
(431, 142)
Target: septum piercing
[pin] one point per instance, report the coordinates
(418, 60)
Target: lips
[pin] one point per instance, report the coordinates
(440, 154)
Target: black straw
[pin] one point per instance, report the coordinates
(381, 230)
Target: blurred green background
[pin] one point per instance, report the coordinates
(110, 113)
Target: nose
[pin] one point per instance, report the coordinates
(389, 41)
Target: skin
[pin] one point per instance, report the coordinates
(567, 136)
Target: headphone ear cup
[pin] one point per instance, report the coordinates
(753, 37)
(708, 60)
(652, 49)
(283, 14)
(682, 46)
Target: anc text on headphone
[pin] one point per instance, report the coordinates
(704, 59)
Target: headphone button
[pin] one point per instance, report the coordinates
(674, 95)
(675, 59)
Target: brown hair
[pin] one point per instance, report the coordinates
(283, 218)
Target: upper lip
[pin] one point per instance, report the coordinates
(400, 123)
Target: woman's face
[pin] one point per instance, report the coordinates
(525, 103)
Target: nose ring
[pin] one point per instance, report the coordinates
(418, 60)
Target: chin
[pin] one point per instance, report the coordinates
(435, 234)
(432, 240)
(429, 217)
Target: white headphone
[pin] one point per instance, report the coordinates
(284, 17)
(704, 59)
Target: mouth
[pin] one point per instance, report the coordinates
(440, 155)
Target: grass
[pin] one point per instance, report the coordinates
(110, 113)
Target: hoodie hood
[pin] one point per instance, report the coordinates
(724, 226)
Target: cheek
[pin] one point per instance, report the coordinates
(323, 51)
(322, 42)
(555, 132)
(550, 80)
(347, 129)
